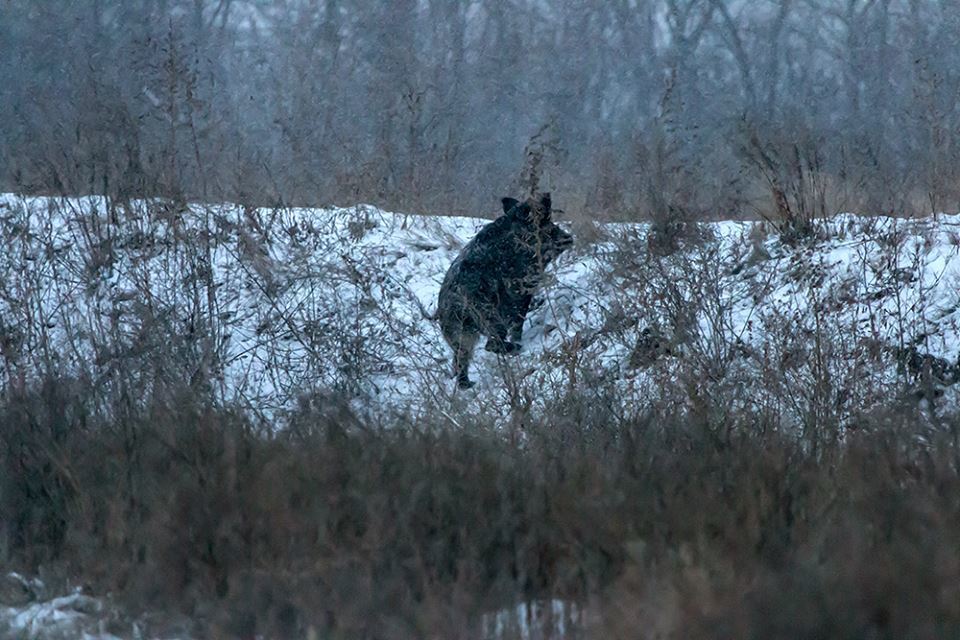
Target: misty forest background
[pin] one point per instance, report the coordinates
(625, 108)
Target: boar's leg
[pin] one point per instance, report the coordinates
(462, 354)
(497, 341)
(500, 344)
(503, 319)
(519, 316)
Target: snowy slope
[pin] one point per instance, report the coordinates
(301, 301)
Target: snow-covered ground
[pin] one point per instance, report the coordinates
(75, 616)
(27, 612)
(301, 301)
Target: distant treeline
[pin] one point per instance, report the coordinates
(624, 108)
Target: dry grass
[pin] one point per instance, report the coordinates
(658, 526)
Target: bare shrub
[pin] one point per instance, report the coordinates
(791, 165)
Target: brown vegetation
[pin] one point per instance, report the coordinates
(656, 525)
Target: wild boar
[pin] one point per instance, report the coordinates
(487, 290)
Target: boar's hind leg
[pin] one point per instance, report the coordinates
(462, 353)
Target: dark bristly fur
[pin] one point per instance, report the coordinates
(488, 288)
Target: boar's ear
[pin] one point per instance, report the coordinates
(508, 204)
(523, 211)
(545, 203)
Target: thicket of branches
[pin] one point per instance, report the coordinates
(629, 107)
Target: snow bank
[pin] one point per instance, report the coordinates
(297, 301)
